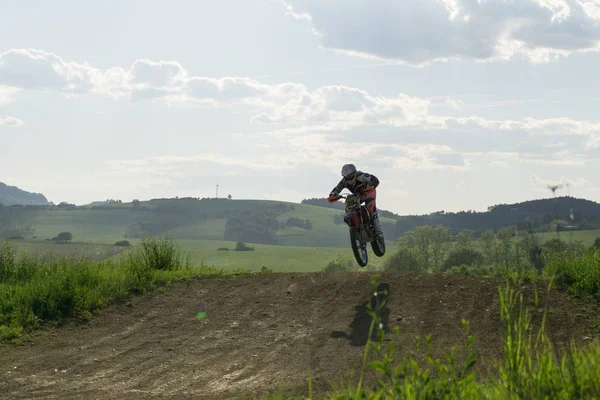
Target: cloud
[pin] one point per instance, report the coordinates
(336, 114)
(422, 31)
(33, 69)
(498, 164)
(10, 122)
(6, 94)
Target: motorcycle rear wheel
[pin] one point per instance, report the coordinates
(378, 245)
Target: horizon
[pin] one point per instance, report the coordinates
(473, 105)
(307, 198)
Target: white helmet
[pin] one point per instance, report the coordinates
(348, 170)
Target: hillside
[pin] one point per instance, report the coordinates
(538, 215)
(156, 347)
(268, 222)
(253, 221)
(10, 195)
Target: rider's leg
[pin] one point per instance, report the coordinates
(370, 200)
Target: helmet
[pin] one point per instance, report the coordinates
(348, 170)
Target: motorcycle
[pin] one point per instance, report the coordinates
(360, 221)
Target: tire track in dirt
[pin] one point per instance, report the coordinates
(263, 333)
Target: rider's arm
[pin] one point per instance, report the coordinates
(339, 187)
(370, 180)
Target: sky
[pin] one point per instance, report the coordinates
(453, 104)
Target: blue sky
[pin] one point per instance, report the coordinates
(453, 104)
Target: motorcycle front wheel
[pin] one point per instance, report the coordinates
(359, 249)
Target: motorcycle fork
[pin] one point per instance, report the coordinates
(363, 232)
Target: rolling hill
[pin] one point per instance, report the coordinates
(10, 195)
(311, 223)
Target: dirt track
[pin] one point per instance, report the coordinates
(261, 334)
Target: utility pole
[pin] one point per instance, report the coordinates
(217, 191)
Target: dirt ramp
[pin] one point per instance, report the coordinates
(261, 333)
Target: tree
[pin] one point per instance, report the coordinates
(136, 203)
(487, 241)
(464, 238)
(64, 237)
(440, 241)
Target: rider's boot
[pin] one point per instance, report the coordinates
(377, 224)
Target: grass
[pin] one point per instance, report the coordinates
(213, 229)
(93, 251)
(37, 291)
(98, 226)
(586, 237)
(277, 258)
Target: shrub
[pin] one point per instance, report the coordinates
(463, 256)
(340, 264)
(123, 243)
(241, 246)
(405, 259)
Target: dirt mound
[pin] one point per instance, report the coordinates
(261, 334)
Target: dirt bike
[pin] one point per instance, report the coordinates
(359, 220)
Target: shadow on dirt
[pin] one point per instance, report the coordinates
(361, 323)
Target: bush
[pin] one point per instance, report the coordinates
(405, 259)
(341, 264)
(579, 274)
(222, 249)
(463, 256)
(64, 237)
(123, 243)
(241, 246)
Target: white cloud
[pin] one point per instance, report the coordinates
(456, 104)
(499, 164)
(10, 122)
(336, 113)
(419, 32)
(6, 94)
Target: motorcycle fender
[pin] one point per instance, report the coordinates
(351, 219)
(366, 214)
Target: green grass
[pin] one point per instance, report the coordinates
(99, 226)
(93, 251)
(586, 237)
(37, 291)
(277, 258)
(213, 229)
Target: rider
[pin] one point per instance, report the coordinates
(361, 183)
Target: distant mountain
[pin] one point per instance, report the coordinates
(10, 195)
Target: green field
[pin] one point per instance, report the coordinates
(93, 251)
(277, 258)
(586, 237)
(199, 227)
(189, 220)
